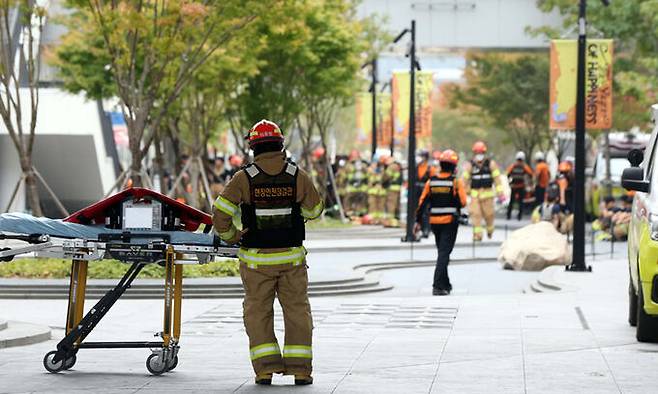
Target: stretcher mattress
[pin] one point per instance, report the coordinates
(21, 223)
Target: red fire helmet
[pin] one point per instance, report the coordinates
(264, 131)
(449, 156)
(479, 147)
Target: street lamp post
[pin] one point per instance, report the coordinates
(374, 106)
(578, 257)
(373, 92)
(411, 175)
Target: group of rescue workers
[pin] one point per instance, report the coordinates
(370, 192)
(275, 198)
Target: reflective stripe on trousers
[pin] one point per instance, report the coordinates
(299, 351)
(266, 349)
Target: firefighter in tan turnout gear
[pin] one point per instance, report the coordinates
(275, 198)
(483, 183)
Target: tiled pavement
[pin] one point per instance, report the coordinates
(514, 343)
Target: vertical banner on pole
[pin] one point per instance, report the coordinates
(384, 120)
(363, 117)
(400, 90)
(424, 99)
(598, 86)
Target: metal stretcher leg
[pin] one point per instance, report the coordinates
(57, 360)
(178, 300)
(165, 359)
(76, 302)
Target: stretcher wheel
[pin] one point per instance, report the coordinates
(70, 362)
(8, 258)
(172, 364)
(155, 365)
(51, 366)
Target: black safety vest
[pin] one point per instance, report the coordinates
(443, 196)
(517, 176)
(273, 216)
(481, 176)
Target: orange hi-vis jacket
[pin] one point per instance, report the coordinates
(445, 194)
(542, 174)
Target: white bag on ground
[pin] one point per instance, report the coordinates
(535, 247)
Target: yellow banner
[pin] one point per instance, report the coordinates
(598, 84)
(363, 117)
(424, 95)
(400, 91)
(384, 116)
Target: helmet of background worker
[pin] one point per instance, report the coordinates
(448, 160)
(424, 154)
(449, 156)
(571, 160)
(235, 161)
(520, 156)
(264, 131)
(479, 148)
(539, 156)
(318, 153)
(564, 166)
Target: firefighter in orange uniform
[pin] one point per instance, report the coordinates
(276, 198)
(542, 177)
(445, 196)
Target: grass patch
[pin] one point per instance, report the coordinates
(108, 269)
(327, 223)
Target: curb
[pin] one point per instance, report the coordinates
(396, 247)
(22, 334)
(372, 267)
(365, 281)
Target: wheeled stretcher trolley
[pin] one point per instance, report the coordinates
(138, 227)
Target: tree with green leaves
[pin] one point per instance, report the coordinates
(632, 25)
(308, 69)
(195, 120)
(151, 51)
(510, 92)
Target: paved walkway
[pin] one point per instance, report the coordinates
(576, 341)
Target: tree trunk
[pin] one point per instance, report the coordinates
(160, 165)
(31, 186)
